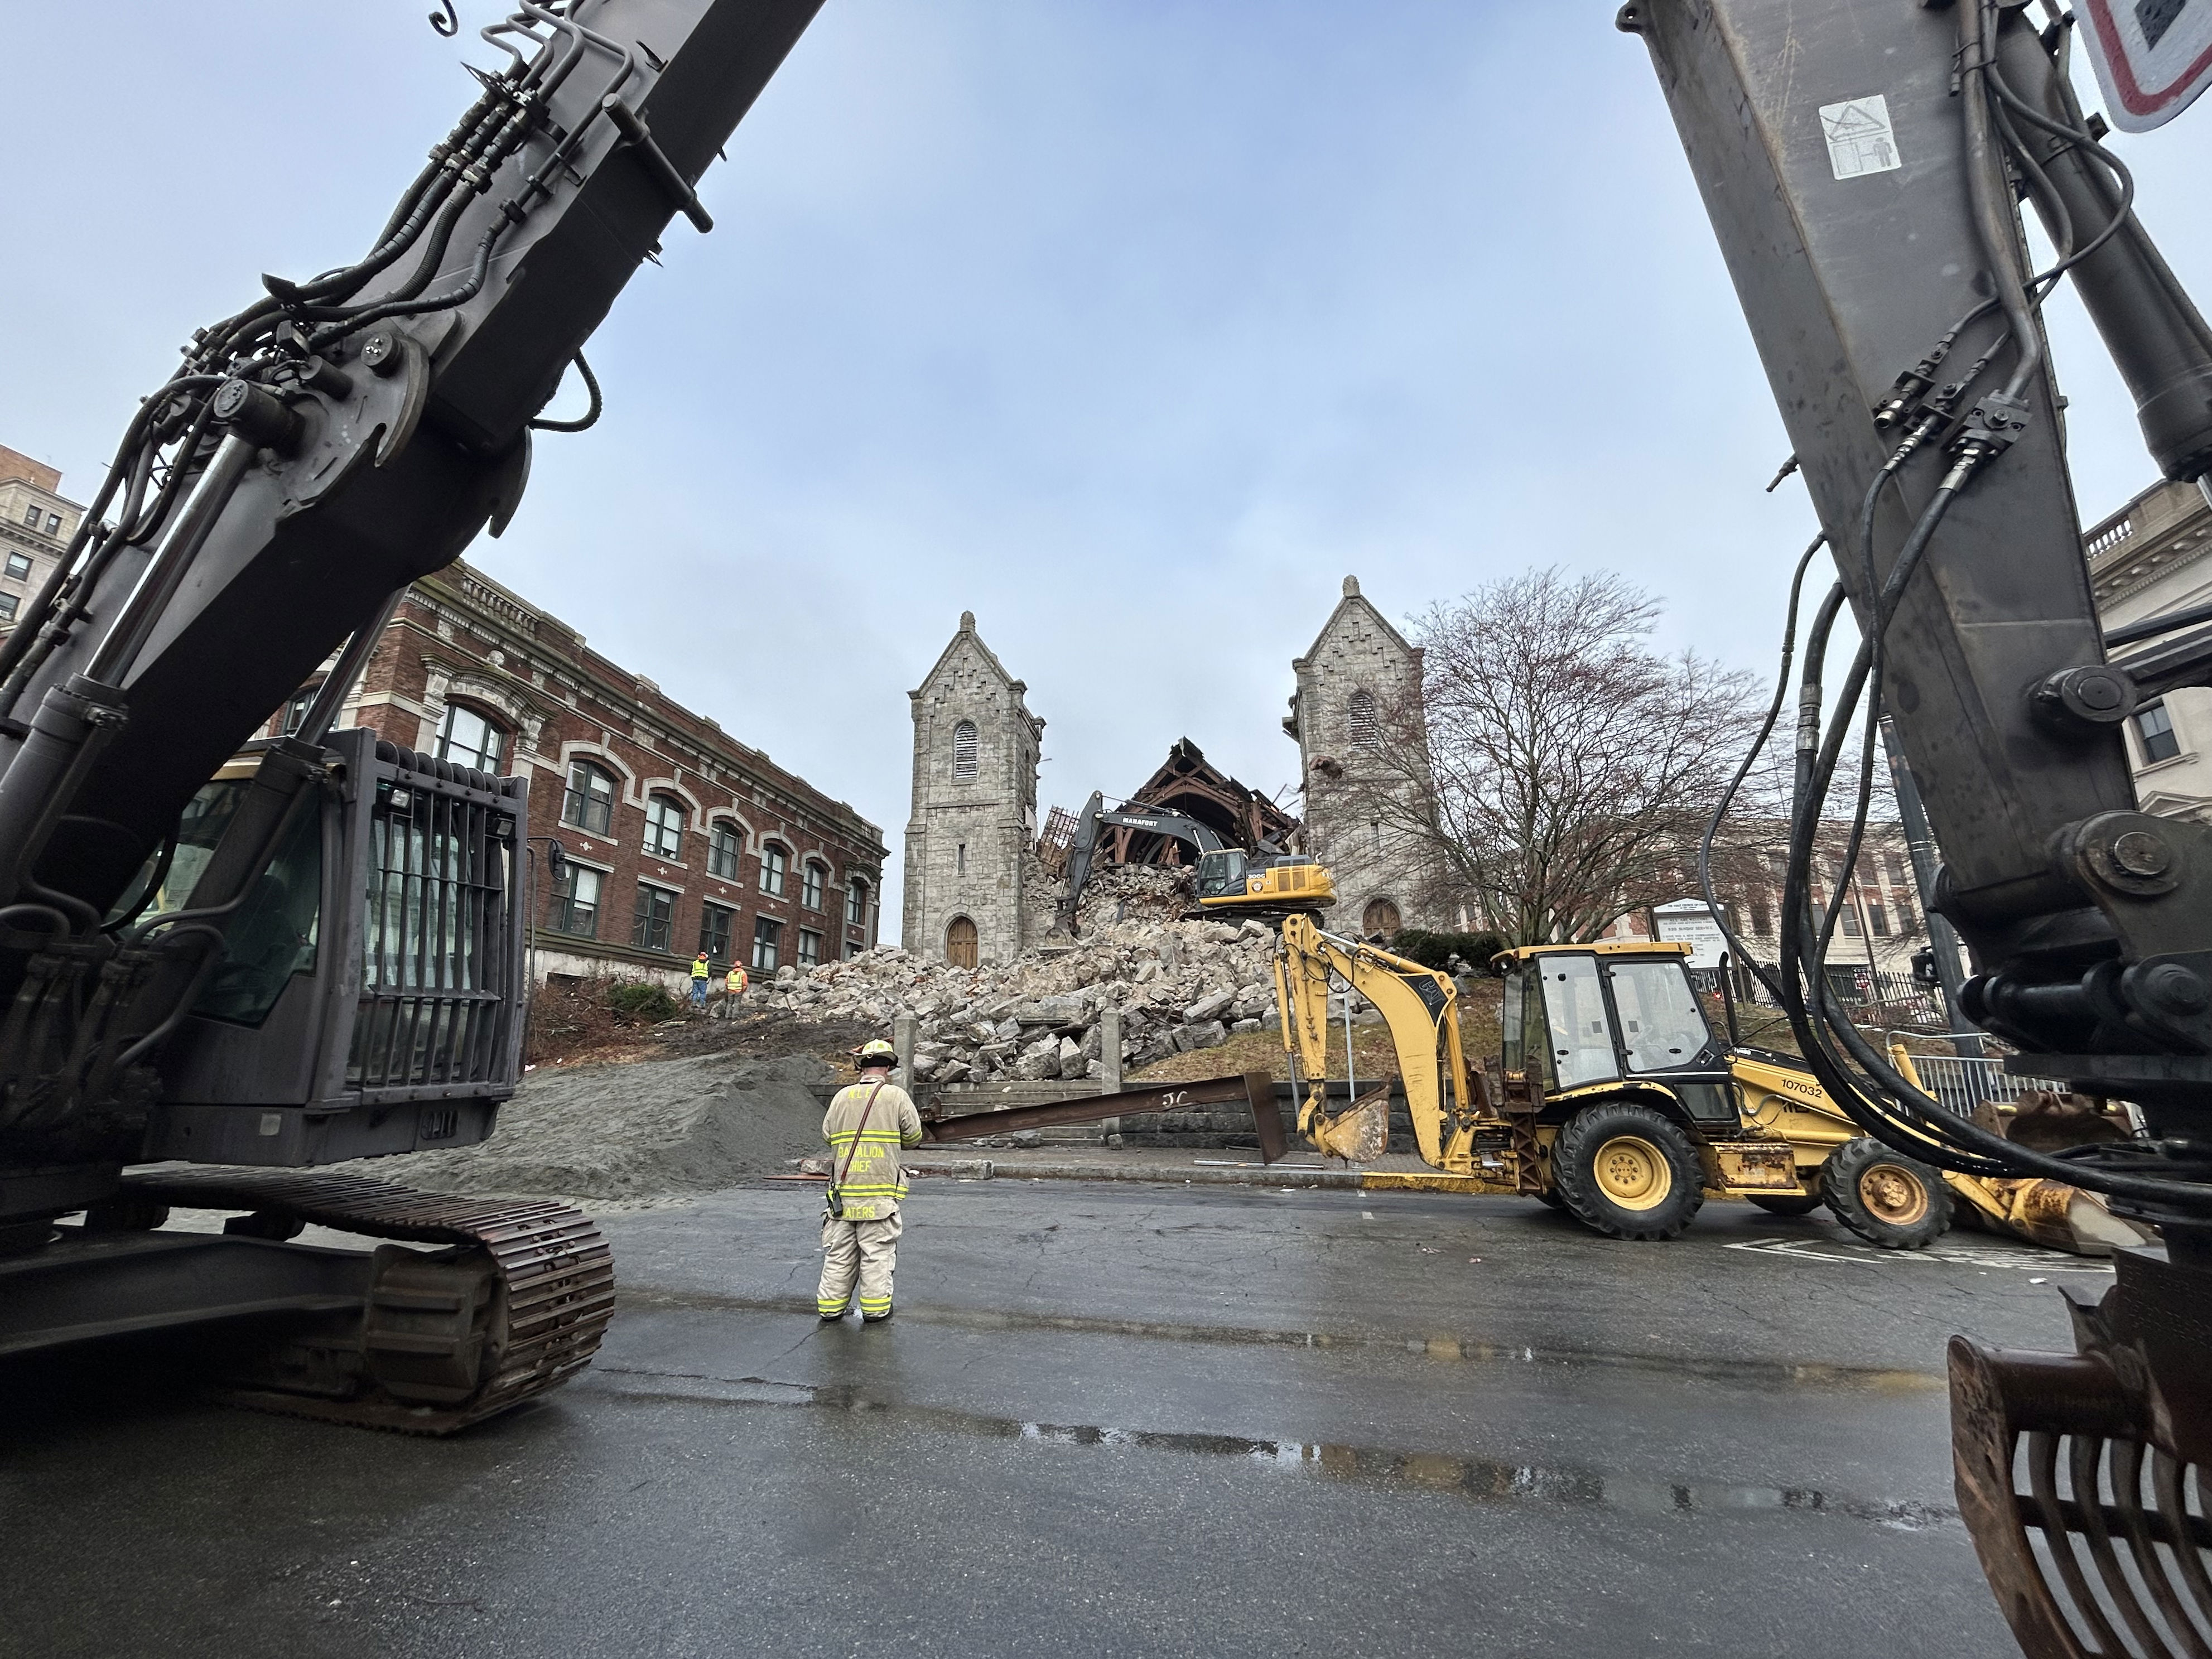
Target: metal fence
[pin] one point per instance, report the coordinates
(1961, 1084)
(1879, 998)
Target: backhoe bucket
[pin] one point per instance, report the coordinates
(2051, 1213)
(1357, 1135)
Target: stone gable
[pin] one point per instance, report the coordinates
(973, 826)
(1358, 670)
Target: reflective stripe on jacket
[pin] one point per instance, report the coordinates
(698, 968)
(874, 1184)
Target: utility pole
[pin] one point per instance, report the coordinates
(1942, 942)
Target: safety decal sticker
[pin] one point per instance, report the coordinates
(1860, 139)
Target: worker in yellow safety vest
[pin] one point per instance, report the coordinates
(735, 981)
(700, 969)
(866, 1125)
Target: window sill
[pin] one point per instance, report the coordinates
(2170, 762)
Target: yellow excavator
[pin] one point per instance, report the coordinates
(1612, 1098)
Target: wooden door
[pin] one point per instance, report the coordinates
(960, 943)
(1382, 917)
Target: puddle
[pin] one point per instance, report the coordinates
(1443, 1349)
(1478, 1479)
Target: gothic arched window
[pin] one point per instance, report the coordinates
(964, 752)
(1363, 718)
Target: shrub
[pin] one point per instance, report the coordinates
(1436, 949)
(639, 1000)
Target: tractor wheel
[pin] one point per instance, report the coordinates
(1551, 1196)
(1886, 1198)
(1787, 1203)
(1627, 1172)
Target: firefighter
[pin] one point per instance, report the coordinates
(868, 1123)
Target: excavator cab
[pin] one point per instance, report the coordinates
(1233, 879)
(1221, 875)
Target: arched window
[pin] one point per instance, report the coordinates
(589, 803)
(775, 860)
(1364, 732)
(664, 826)
(812, 878)
(856, 903)
(964, 752)
(726, 845)
(467, 738)
(960, 943)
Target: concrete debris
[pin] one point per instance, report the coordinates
(1179, 985)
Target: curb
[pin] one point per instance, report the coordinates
(987, 1170)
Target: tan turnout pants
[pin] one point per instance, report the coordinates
(867, 1250)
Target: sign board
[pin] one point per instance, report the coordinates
(1691, 922)
(2152, 57)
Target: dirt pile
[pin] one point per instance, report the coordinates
(645, 1130)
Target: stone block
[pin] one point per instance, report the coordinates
(1208, 1007)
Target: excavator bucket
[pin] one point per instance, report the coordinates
(1357, 1135)
(2074, 1471)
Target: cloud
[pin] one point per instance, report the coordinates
(1132, 327)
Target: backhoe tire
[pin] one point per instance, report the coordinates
(1628, 1172)
(1551, 1196)
(1887, 1199)
(1789, 1203)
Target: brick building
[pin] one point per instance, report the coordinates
(36, 523)
(679, 837)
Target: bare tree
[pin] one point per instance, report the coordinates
(1554, 771)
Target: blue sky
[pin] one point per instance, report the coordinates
(1132, 327)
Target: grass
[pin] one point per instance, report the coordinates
(1263, 1050)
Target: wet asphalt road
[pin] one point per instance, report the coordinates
(1108, 1420)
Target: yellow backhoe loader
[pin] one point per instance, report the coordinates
(1613, 1099)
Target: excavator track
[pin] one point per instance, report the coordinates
(551, 1294)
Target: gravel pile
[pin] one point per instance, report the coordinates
(643, 1130)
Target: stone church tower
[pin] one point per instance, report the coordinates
(970, 840)
(1350, 681)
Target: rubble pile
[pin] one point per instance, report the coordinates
(1179, 985)
(1133, 892)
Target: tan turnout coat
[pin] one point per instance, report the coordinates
(874, 1184)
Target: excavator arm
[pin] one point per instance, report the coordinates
(321, 956)
(1095, 817)
(336, 439)
(1420, 1007)
(1863, 162)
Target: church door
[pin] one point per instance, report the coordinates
(960, 943)
(1381, 917)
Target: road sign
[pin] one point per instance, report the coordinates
(2152, 57)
